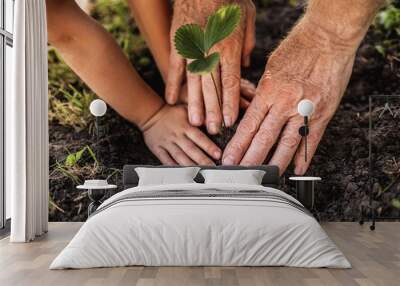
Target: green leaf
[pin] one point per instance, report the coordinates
(221, 24)
(189, 41)
(204, 65)
(396, 203)
(92, 154)
(70, 161)
(79, 154)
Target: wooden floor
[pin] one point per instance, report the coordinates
(375, 257)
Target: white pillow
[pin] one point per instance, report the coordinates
(247, 177)
(163, 176)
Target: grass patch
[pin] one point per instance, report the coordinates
(69, 96)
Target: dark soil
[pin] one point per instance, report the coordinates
(341, 159)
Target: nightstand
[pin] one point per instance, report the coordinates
(305, 190)
(97, 193)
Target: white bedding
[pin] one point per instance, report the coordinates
(206, 230)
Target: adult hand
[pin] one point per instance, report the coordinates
(203, 103)
(247, 93)
(308, 64)
(173, 140)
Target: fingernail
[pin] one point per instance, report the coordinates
(299, 170)
(170, 101)
(227, 120)
(247, 61)
(228, 160)
(213, 128)
(195, 118)
(217, 154)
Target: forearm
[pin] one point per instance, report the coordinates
(341, 23)
(94, 55)
(154, 20)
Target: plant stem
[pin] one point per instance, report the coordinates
(219, 97)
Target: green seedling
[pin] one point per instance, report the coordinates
(73, 159)
(194, 43)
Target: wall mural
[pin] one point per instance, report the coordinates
(83, 146)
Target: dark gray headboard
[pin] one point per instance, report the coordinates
(271, 177)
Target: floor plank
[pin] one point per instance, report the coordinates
(375, 257)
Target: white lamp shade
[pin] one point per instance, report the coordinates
(98, 107)
(305, 107)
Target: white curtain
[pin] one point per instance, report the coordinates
(27, 125)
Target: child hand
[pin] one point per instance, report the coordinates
(169, 135)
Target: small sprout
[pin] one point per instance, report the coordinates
(73, 159)
(194, 43)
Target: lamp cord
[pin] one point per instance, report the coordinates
(98, 138)
(305, 137)
(305, 148)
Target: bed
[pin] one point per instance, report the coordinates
(201, 224)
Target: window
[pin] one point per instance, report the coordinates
(6, 60)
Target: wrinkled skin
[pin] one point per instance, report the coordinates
(203, 104)
(173, 140)
(304, 66)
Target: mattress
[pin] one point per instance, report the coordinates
(201, 225)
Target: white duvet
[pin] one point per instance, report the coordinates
(188, 231)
